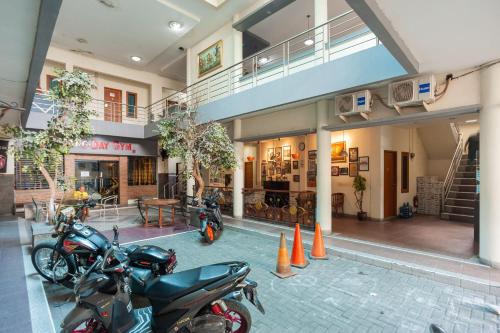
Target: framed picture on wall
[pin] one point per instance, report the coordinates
(210, 58)
(278, 170)
(287, 167)
(271, 170)
(311, 165)
(353, 154)
(335, 170)
(344, 171)
(353, 169)
(295, 165)
(311, 179)
(311, 154)
(296, 178)
(270, 154)
(263, 169)
(278, 154)
(364, 163)
(337, 149)
(287, 153)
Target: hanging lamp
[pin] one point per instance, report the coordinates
(343, 153)
(309, 41)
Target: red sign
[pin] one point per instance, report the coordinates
(109, 146)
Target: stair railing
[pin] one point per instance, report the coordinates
(452, 170)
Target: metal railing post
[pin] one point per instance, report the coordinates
(286, 50)
(254, 72)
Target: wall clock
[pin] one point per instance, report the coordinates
(302, 146)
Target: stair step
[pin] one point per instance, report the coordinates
(465, 181)
(469, 211)
(466, 168)
(466, 174)
(460, 202)
(458, 217)
(453, 194)
(464, 188)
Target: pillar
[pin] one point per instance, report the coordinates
(323, 172)
(489, 224)
(321, 34)
(238, 176)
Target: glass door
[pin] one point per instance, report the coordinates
(98, 177)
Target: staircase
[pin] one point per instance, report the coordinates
(460, 201)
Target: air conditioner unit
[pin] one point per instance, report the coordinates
(412, 91)
(353, 103)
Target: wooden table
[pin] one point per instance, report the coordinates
(160, 203)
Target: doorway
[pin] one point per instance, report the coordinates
(248, 174)
(98, 176)
(112, 105)
(390, 183)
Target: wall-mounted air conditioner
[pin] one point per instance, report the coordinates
(412, 91)
(353, 103)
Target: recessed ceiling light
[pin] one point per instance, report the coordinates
(136, 58)
(470, 121)
(175, 26)
(263, 60)
(308, 42)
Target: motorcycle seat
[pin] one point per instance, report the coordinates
(173, 286)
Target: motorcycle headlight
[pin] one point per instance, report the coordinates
(68, 211)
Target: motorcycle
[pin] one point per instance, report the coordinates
(211, 224)
(77, 246)
(206, 299)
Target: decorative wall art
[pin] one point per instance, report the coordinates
(311, 165)
(364, 163)
(353, 169)
(295, 165)
(337, 149)
(311, 179)
(263, 169)
(311, 154)
(335, 170)
(278, 154)
(296, 178)
(287, 153)
(287, 167)
(302, 146)
(278, 170)
(270, 154)
(210, 58)
(344, 171)
(353, 154)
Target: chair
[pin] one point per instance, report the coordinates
(337, 203)
(109, 203)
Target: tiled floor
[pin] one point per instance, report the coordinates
(424, 233)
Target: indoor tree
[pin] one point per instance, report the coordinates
(69, 124)
(359, 185)
(199, 146)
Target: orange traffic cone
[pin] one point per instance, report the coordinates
(298, 259)
(283, 269)
(318, 249)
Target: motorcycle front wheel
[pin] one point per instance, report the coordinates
(51, 264)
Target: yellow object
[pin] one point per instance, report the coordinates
(80, 195)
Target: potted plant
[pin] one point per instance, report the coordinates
(359, 185)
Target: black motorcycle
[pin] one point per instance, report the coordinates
(210, 216)
(77, 247)
(202, 300)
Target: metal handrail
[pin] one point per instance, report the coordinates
(284, 58)
(452, 170)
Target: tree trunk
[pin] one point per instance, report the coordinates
(52, 187)
(199, 180)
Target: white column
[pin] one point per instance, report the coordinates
(320, 12)
(238, 176)
(489, 243)
(321, 34)
(323, 175)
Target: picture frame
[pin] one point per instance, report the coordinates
(295, 165)
(311, 179)
(353, 154)
(210, 58)
(335, 170)
(278, 170)
(311, 154)
(278, 154)
(296, 178)
(287, 167)
(364, 163)
(287, 153)
(336, 149)
(311, 165)
(353, 169)
(344, 171)
(263, 169)
(270, 154)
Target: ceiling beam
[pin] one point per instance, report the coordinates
(375, 19)
(47, 17)
(260, 14)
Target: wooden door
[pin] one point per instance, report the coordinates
(390, 183)
(112, 105)
(248, 174)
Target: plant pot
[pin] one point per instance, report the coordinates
(362, 216)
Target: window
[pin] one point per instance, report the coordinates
(141, 171)
(51, 82)
(131, 105)
(30, 178)
(405, 172)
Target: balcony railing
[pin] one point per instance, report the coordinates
(104, 110)
(341, 36)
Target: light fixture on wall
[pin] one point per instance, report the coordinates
(343, 153)
(309, 41)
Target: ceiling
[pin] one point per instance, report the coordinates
(445, 35)
(115, 30)
(18, 22)
(291, 20)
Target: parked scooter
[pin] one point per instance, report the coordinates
(77, 246)
(202, 300)
(211, 224)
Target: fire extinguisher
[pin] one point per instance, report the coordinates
(415, 201)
